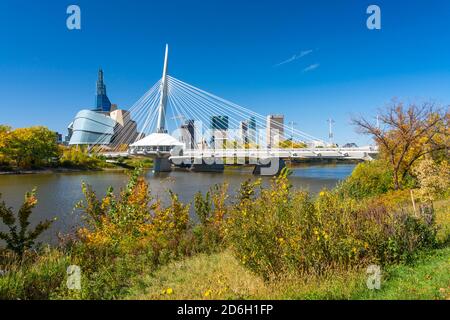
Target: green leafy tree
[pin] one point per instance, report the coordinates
(31, 147)
(4, 132)
(19, 238)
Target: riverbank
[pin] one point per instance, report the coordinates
(221, 276)
(271, 242)
(128, 164)
(47, 171)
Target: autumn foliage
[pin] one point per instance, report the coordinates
(406, 134)
(28, 148)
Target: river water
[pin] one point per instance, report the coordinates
(58, 193)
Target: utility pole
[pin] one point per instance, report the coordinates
(292, 123)
(330, 133)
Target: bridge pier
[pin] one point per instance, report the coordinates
(207, 167)
(162, 165)
(269, 167)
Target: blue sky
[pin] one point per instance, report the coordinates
(230, 48)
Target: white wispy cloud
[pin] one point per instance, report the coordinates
(311, 67)
(295, 57)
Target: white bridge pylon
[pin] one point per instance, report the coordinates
(204, 125)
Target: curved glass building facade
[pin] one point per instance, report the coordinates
(90, 127)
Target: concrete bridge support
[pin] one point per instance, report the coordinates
(207, 167)
(269, 167)
(162, 165)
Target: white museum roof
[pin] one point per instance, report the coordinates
(157, 140)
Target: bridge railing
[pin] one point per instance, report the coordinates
(280, 151)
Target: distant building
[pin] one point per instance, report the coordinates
(350, 145)
(101, 99)
(188, 134)
(125, 130)
(104, 125)
(219, 123)
(316, 144)
(252, 130)
(59, 138)
(243, 132)
(274, 130)
(219, 128)
(91, 128)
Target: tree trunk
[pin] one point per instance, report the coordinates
(396, 181)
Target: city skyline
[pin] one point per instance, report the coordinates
(308, 62)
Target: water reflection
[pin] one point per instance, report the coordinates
(58, 193)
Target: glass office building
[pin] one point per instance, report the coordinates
(101, 99)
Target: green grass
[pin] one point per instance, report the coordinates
(428, 278)
(220, 276)
(216, 276)
(41, 280)
(443, 221)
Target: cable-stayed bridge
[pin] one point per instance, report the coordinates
(208, 132)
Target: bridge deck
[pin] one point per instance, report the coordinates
(365, 153)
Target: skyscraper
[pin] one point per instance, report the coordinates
(252, 130)
(188, 134)
(219, 127)
(274, 130)
(219, 123)
(101, 99)
(243, 132)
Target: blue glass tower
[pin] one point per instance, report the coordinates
(101, 99)
(219, 123)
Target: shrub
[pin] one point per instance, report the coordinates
(433, 179)
(19, 239)
(211, 210)
(131, 223)
(79, 158)
(368, 179)
(286, 231)
(125, 234)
